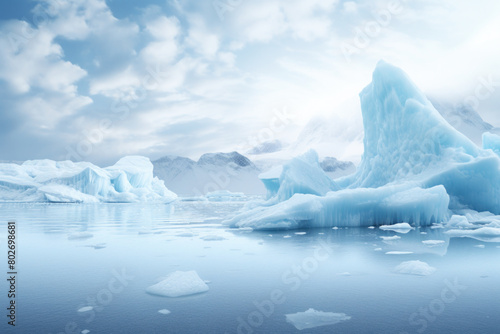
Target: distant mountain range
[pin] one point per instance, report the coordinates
(226, 171)
(465, 119)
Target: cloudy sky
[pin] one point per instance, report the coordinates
(95, 80)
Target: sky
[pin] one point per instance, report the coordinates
(97, 80)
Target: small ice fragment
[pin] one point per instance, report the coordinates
(371, 227)
(418, 268)
(178, 284)
(437, 226)
(85, 309)
(394, 237)
(164, 311)
(312, 318)
(345, 274)
(287, 236)
(320, 233)
(85, 331)
(212, 238)
(300, 233)
(185, 235)
(399, 228)
(98, 246)
(457, 221)
(423, 232)
(398, 253)
(479, 246)
(433, 242)
(335, 228)
(80, 235)
(377, 249)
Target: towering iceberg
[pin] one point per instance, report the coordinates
(129, 180)
(415, 167)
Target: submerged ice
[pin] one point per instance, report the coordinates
(129, 180)
(312, 318)
(415, 168)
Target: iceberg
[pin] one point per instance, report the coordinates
(129, 180)
(415, 169)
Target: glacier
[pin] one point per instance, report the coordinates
(129, 180)
(416, 168)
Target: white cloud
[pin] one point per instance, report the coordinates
(205, 43)
(350, 7)
(34, 60)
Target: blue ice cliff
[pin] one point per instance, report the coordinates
(415, 168)
(129, 180)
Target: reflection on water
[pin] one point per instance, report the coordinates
(105, 256)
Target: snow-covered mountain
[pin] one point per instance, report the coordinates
(465, 119)
(212, 172)
(228, 171)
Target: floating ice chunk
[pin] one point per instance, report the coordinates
(433, 242)
(486, 234)
(80, 235)
(479, 246)
(371, 227)
(345, 274)
(302, 175)
(398, 253)
(457, 221)
(312, 318)
(178, 284)
(394, 237)
(164, 311)
(287, 236)
(98, 246)
(213, 238)
(335, 228)
(437, 226)
(85, 309)
(423, 232)
(399, 228)
(414, 268)
(185, 234)
(378, 249)
(85, 331)
(300, 233)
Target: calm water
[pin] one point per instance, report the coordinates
(343, 271)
